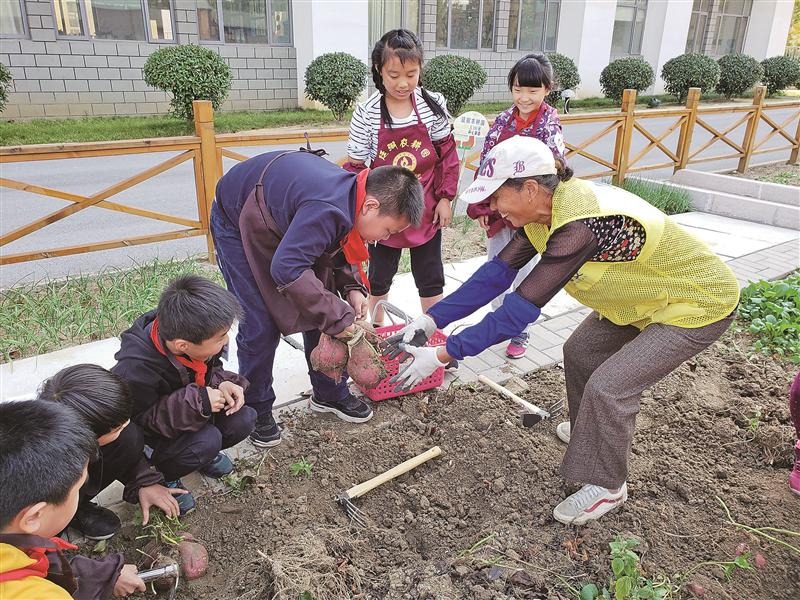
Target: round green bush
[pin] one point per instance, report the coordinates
(336, 80)
(457, 78)
(566, 76)
(780, 72)
(626, 73)
(5, 85)
(687, 71)
(188, 72)
(737, 74)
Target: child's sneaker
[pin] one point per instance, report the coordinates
(351, 409)
(564, 431)
(794, 476)
(267, 433)
(517, 346)
(95, 522)
(589, 503)
(185, 501)
(219, 467)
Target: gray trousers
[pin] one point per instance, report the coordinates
(607, 367)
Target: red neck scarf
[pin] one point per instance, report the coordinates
(42, 564)
(355, 250)
(198, 366)
(523, 123)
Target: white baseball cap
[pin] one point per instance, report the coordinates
(516, 157)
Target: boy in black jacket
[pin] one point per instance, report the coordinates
(103, 401)
(189, 407)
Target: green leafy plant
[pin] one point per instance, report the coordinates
(301, 467)
(566, 76)
(5, 85)
(163, 529)
(737, 74)
(457, 78)
(666, 198)
(780, 72)
(632, 72)
(687, 71)
(627, 581)
(770, 310)
(336, 79)
(237, 483)
(189, 72)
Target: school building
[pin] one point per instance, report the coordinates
(85, 57)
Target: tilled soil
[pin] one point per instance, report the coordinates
(477, 521)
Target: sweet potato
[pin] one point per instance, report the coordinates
(369, 332)
(365, 366)
(329, 357)
(193, 557)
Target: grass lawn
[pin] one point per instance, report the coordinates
(92, 129)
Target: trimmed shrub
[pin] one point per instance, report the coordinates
(188, 72)
(566, 76)
(687, 71)
(626, 73)
(336, 79)
(737, 74)
(780, 72)
(457, 78)
(5, 85)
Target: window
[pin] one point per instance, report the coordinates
(533, 25)
(731, 24)
(698, 26)
(385, 15)
(12, 20)
(628, 27)
(465, 24)
(245, 21)
(143, 20)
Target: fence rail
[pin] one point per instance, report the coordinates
(206, 150)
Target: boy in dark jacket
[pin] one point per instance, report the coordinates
(44, 452)
(103, 401)
(189, 407)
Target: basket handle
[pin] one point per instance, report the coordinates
(393, 311)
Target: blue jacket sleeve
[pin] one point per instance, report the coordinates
(486, 284)
(509, 320)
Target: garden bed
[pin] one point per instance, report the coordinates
(477, 521)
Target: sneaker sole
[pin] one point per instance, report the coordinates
(584, 518)
(270, 444)
(515, 356)
(343, 416)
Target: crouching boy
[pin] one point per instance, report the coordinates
(103, 401)
(189, 407)
(44, 453)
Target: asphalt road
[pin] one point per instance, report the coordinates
(173, 192)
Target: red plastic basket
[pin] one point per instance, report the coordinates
(385, 390)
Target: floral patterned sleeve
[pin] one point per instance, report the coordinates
(551, 133)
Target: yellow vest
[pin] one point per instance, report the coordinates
(676, 279)
(32, 587)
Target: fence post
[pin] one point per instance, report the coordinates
(685, 139)
(796, 149)
(752, 127)
(622, 147)
(204, 129)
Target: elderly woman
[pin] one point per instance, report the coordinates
(659, 296)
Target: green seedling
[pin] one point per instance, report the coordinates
(770, 310)
(163, 529)
(301, 467)
(237, 483)
(627, 581)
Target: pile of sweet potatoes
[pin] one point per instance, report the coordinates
(359, 356)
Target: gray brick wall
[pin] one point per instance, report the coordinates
(58, 77)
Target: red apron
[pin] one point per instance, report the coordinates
(411, 147)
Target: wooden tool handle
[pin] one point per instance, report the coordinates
(404, 467)
(512, 396)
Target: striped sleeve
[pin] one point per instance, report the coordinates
(359, 142)
(439, 128)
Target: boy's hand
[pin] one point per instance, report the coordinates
(359, 303)
(483, 221)
(161, 497)
(233, 395)
(216, 399)
(443, 213)
(128, 582)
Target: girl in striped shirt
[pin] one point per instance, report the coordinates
(403, 124)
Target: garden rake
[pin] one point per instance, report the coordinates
(532, 414)
(345, 498)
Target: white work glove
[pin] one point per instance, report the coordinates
(417, 333)
(424, 364)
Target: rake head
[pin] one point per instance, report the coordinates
(352, 511)
(531, 419)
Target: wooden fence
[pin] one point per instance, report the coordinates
(206, 150)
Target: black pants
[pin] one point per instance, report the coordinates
(192, 451)
(115, 463)
(426, 266)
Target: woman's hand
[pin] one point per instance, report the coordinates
(483, 221)
(443, 214)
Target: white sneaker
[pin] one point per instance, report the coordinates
(563, 431)
(588, 504)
